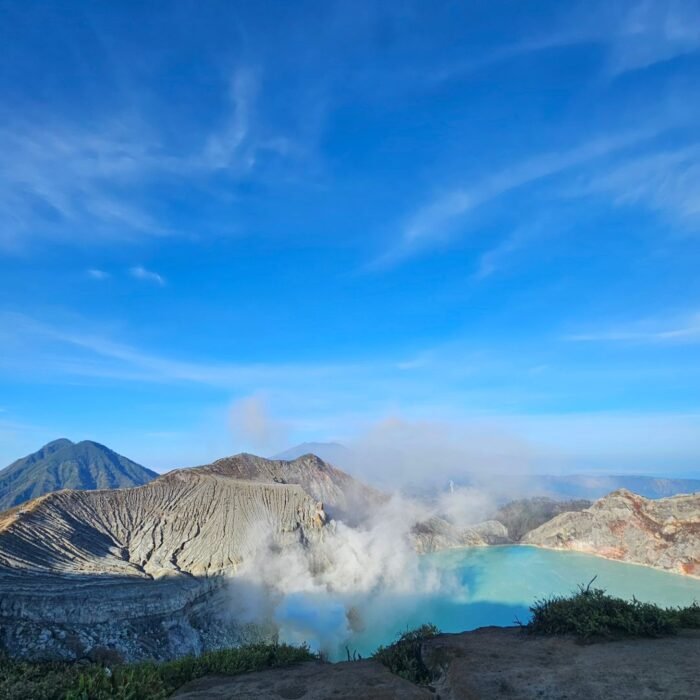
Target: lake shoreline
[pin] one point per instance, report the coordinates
(563, 550)
(682, 574)
(495, 585)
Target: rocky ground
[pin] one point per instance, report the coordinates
(489, 663)
(314, 679)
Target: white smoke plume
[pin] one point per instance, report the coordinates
(356, 575)
(322, 593)
(461, 471)
(396, 451)
(253, 425)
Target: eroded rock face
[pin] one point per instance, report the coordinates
(86, 617)
(143, 571)
(663, 533)
(344, 497)
(189, 522)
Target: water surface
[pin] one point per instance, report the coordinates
(496, 586)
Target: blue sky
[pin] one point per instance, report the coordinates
(236, 225)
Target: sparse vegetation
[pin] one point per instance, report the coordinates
(403, 657)
(588, 613)
(73, 681)
(591, 613)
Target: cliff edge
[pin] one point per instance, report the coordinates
(662, 533)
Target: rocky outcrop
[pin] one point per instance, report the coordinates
(663, 533)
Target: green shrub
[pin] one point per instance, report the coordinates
(404, 658)
(155, 681)
(37, 681)
(689, 618)
(591, 612)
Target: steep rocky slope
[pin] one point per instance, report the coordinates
(344, 497)
(139, 570)
(663, 533)
(62, 464)
(199, 521)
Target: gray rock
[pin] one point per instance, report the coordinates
(435, 534)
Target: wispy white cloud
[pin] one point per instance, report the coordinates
(649, 32)
(53, 174)
(101, 357)
(223, 149)
(633, 35)
(141, 273)
(495, 258)
(685, 330)
(457, 384)
(96, 274)
(56, 175)
(445, 382)
(75, 352)
(667, 180)
(434, 223)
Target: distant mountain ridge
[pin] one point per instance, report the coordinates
(594, 486)
(333, 452)
(563, 487)
(63, 464)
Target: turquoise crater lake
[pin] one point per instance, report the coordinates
(496, 585)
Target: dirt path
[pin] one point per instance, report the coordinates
(313, 680)
(490, 663)
(503, 663)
